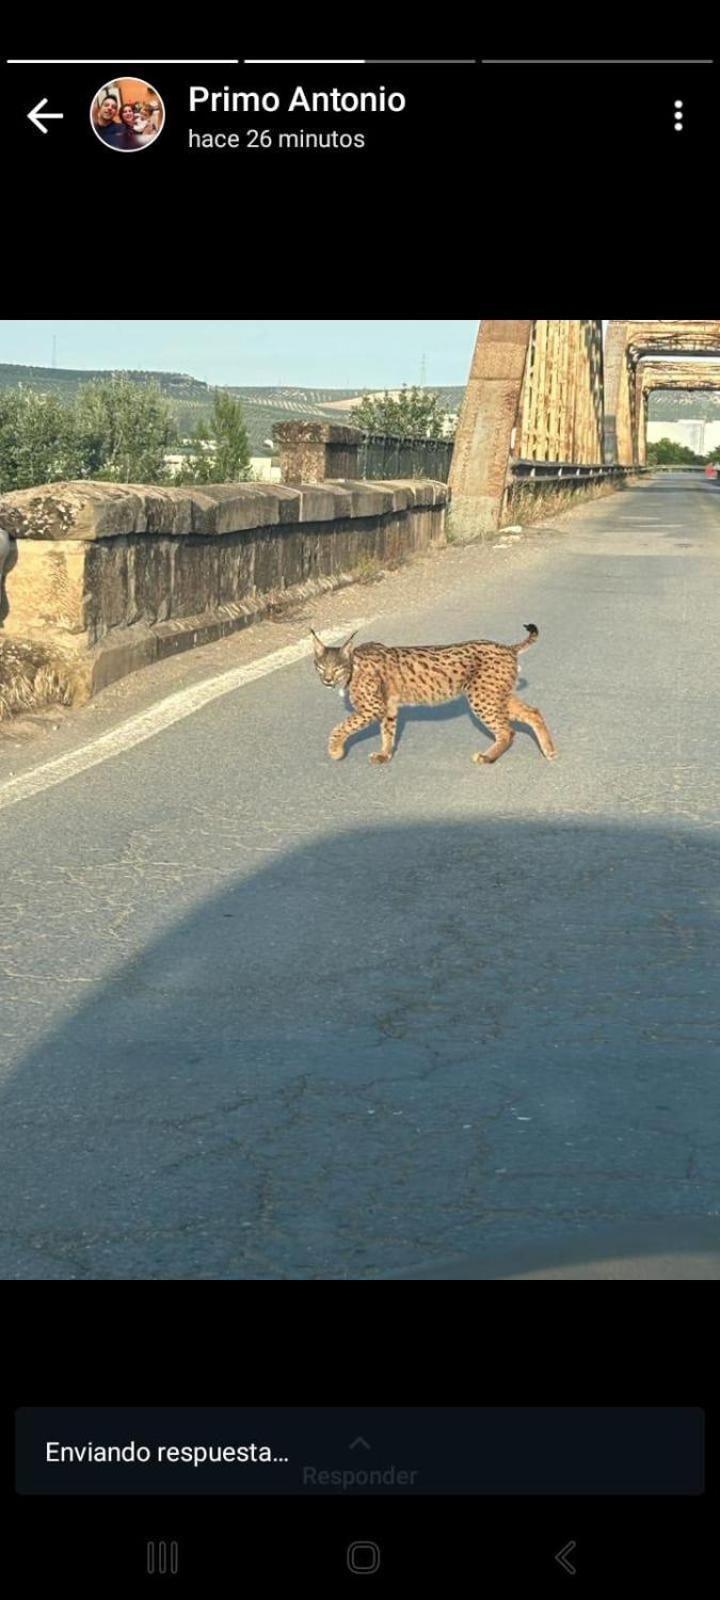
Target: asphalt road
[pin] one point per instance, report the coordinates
(264, 1015)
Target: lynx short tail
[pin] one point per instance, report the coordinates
(534, 634)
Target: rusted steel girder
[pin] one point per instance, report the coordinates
(679, 375)
(671, 338)
(653, 375)
(627, 344)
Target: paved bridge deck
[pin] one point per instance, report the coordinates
(264, 1015)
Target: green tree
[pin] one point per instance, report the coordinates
(122, 431)
(37, 442)
(221, 452)
(665, 452)
(413, 414)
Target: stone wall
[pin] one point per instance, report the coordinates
(115, 576)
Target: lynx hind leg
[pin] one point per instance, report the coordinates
(490, 709)
(503, 739)
(535, 720)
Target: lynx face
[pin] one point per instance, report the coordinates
(334, 664)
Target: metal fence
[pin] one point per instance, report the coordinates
(386, 456)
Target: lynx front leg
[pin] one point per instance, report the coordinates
(387, 728)
(535, 720)
(370, 706)
(339, 735)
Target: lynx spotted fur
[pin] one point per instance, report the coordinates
(380, 678)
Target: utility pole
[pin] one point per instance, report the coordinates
(54, 350)
(423, 371)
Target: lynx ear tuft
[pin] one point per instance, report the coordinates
(345, 648)
(318, 644)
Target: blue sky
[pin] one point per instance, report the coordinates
(341, 355)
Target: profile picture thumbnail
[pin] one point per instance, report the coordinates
(127, 114)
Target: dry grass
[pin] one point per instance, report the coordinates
(528, 506)
(32, 676)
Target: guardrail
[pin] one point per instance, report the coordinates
(531, 472)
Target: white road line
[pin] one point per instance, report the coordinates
(147, 723)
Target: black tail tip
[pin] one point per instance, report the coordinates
(530, 626)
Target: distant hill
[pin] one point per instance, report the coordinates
(66, 381)
(262, 407)
(191, 399)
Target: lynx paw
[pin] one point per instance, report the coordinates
(551, 755)
(479, 757)
(378, 757)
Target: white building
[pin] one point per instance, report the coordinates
(265, 469)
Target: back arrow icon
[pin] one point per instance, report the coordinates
(39, 117)
(562, 1555)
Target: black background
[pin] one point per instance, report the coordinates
(99, 1545)
(549, 185)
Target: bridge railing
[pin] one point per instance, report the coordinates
(390, 456)
(313, 452)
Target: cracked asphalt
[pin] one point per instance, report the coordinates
(268, 1016)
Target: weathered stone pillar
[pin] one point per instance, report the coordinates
(489, 415)
(311, 452)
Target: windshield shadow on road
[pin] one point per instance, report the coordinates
(387, 1048)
